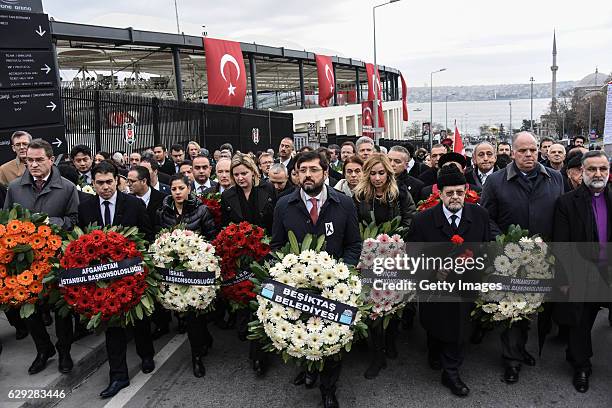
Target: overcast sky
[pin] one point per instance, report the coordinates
(479, 42)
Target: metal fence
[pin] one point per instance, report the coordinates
(97, 117)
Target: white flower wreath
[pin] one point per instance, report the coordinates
(298, 334)
(185, 250)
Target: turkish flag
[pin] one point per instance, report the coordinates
(404, 99)
(375, 80)
(367, 118)
(327, 81)
(227, 82)
(458, 145)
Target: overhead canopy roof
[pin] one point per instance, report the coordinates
(94, 49)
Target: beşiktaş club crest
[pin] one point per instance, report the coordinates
(255, 135)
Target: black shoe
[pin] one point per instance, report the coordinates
(511, 375)
(148, 365)
(182, 326)
(46, 317)
(159, 332)
(456, 386)
(199, 370)
(114, 387)
(65, 363)
(581, 381)
(330, 400)
(21, 333)
(377, 364)
(477, 335)
(40, 362)
(259, 367)
(434, 362)
(528, 359)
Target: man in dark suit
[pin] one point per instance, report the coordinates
(430, 175)
(399, 156)
(157, 183)
(112, 207)
(447, 322)
(524, 193)
(224, 181)
(285, 151)
(201, 175)
(451, 159)
(164, 164)
(584, 215)
(414, 167)
(317, 209)
(484, 164)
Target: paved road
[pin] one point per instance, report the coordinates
(407, 382)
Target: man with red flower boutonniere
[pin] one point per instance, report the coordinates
(453, 220)
(42, 189)
(110, 207)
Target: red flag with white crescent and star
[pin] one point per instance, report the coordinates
(327, 81)
(404, 99)
(227, 82)
(458, 144)
(367, 119)
(372, 79)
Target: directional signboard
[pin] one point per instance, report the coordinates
(27, 69)
(24, 31)
(53, 134)
(22, 6)
(29, 107)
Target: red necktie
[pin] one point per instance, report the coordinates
(314, 214)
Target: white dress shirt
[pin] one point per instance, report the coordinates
(112, 207)
(483, 176)
(410, 165)
(199, 188)
(146, 197)
(321, 197)
(448, 214)
(286, 162)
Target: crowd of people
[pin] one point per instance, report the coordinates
(538, 185)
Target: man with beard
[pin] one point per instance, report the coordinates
(524, 194)
(201, 174)
(285, 149)
(347, 150)
(317, 209)
(446, 322)
(584, 215)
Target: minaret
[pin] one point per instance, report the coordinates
(554, 69)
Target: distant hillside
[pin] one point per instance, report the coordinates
(486, 92)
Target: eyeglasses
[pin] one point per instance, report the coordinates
(459, 193)
(313, 170)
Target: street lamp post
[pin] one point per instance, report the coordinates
(531, 121)
(510, 127)
(431, 105)
(446, 111)
(373, 81)
(178, 27)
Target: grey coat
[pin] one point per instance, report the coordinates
(510, 199)
(58, 199)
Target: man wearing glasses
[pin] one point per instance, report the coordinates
(13, 169)
(41, 188)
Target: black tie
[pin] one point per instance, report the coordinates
(454, 225)
(107, 215)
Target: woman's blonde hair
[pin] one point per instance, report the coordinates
(195, 144)
(366, 191)
(246, 161)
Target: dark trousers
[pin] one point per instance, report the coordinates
(243, 317)
(579, 345)
(161, 317)
(451, 354)
(38, 331)
(12, 315)
(197, 332)
(329, 376)
(376, 338)
(116, 347)
(514, 339)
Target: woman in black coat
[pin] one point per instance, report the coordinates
(377, 192)
(181, 207)
(251, 201)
